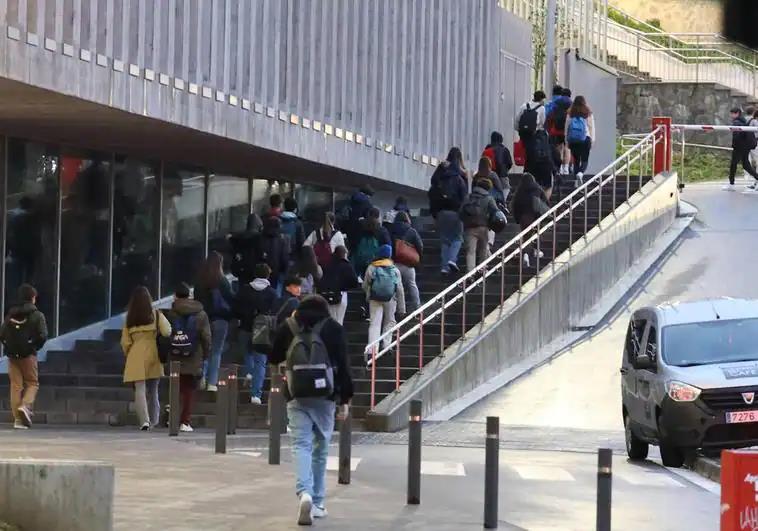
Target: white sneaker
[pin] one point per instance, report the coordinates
(186, 428)
(729, 188)
(527, 262)
(145, 427)
(319, 511)
(26, 416)
(304, 510)
(18, 425)
(538, 254)
(751, 188)
(212, 388)
(255, 400)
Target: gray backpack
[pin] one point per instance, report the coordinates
(309, 370)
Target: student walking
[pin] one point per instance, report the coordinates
(529, 120)
(339, 278)
(446, 195)
(214, 292)
(139, 343)
(384, 293)
(255, 308)
(556, 113)
(273, 250)
(371, 236)
(752, 116)
(325, 240)
(190, 344)
(275, 206)
(244, 245)
(742, 144)
(580, 133)
(23, 333)
(501, 187)
(292, 228)
(401, 205)
(354, 214)
(310, 338)
(476, 213)
(500, 161)
(290, 300)
(529, 203)
(408, 250)
(307, 268)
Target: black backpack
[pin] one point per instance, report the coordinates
(18, 338)
(542, 151)
(527, 124)
(183, 339)
(309, 369)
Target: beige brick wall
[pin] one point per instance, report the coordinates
(677, 16)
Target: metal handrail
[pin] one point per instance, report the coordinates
(544, 224)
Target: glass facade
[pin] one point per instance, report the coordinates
(86, 227)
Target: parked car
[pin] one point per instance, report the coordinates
(689, 378)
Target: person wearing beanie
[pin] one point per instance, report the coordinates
(476, 213)
(385, 295)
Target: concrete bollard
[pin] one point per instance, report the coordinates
(174, 408)
(604, 488)
(414, 453)
(233, 386)
(222, 411)
(276, 401)
(491, 472)
(345, 449)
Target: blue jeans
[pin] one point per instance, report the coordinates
(219, 328)
(450, 229)
(255, 364)
(311, 424)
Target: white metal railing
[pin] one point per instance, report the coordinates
(437, 311)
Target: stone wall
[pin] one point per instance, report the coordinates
(677, 16)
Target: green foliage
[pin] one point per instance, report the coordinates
(700, 164)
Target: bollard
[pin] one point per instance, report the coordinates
(604, 487)
(346, 432)
(222, 411)
(276, 401)
(174, 409)
(491, 471)
(233, 386)
(414, 453)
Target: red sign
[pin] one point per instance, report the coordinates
(739, 490)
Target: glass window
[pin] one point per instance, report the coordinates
(31, 223)
(183, 235)
(227, 211)
(85, 223)
(722, 341)
(313, 202)
(265, 188)
(136, 211)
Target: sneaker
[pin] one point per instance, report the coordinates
(751, 188)
(255, 401)
(212, 388)
(26, 415)
(304, 510)
(527, 262)
(579, 179)
(453, 267)
(186, 428)
(202, 384)
(145, 427)
(18, 425)
(729, 188)
(445, 271)
(538, 254)
(319, 511)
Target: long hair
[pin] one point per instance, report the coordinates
(455, 157)
(373, 221)
(485, 168)
(307, 264)
(525, 189)
(139, 312)
(212, 271)
(327, 228)
(580, 108)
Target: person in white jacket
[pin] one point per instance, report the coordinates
(580, 133)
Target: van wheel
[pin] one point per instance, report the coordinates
(636, 448)
(672, 456)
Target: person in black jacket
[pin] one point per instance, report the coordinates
(339, 278)
(311, 420)
(254, 299)
(402, 230)
(290, 300)
(529, 203)
(360, 204)
(741, 146)
(446, 195)
(292, 228)
(503, 162)
(244, 245)
(272, 251)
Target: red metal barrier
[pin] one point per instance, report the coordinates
(739, 490)
(662, 156)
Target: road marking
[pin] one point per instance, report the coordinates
(542, 473)
(640, 476)
(442, 468)
(249, 454)
(333, 463)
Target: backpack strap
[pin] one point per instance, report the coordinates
(293, 326)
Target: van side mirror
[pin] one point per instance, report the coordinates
(643, 362)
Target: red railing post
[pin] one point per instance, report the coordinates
(373, 375)
(662, 145)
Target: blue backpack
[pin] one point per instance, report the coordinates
(289, 231)
(383, 284)
(577, 130)
(183, 339)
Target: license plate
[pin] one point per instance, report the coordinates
(738, 417)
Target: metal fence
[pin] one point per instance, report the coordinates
(491, 274)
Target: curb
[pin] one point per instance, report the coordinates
(707, 467)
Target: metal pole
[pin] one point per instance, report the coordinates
(442, 326)
(484, 293)
(420, 341)
(231, 428)
(373, 374)
(463, 318)
(397, 360)
(414, 453)
(681, 175)
(222, 411)
(520, 262)
(174, 409)
(571, 223)
(586, 206)
(550, 44)
(604, 486)
(346, 432)
(276, 399)
(491, 470)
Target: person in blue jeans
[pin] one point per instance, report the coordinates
(215, 293)
(311, 420)
(254, 307)
(446, 196)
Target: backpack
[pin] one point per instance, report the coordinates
(497, 221)
(365, 253)
(383, 284)
(751, 142)
(323, 250)
(445, 193)
(489, 152)
(557, 119)
(264, 326)
(541, 150)
(577, 130)
(183, 338)
(289, 231)
(308, 367)
(472, 210)
(527, 123)
(18, 340)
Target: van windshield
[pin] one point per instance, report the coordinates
(711, 342)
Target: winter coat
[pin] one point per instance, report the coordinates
(367, 230)
(369, 278)
(272, 249)
(182, 308)
(244, 245)
(253, 298)
(333, 334)
(447, 176)
(285, 306)
(501, 188)
(204, 296)
(35, 319)
(503, 160)
(141, 351)
(297, 240)
(338, 276)
(400, 230)
(522, 205)
(739, 141)
(487, 208)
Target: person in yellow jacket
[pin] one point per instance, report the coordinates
(139, 342)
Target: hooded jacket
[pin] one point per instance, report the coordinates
(291, 225)
(182, 308)
(272, 249)
(253, 298)
(522, 205)
(503, 160)
(401, 230)
(368, 279)
(244, 256)
(36, 319)
(311, 311)
(339, 276)
(204, 296)
(487, 207)
(447, 177)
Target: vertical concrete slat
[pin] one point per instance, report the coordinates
(332, 86)
(343, 52)
(110, 20)
(140, 33)
(290, 68)
(76, 27)
(186, 31)
(125, 28)
(324, 62)
(413, 59)
(171, 53)
(22, 15)
(239, 46)
(213, 43)
(469, 117)
(255, 48)
(226, 54)
(314, 41)
(393, 70)
(39, 28)
(276, 21)
(364, 40)
(300, 25)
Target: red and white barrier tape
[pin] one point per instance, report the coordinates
(715, 128)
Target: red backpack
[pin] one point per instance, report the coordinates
(323, 250)
(490, 154)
